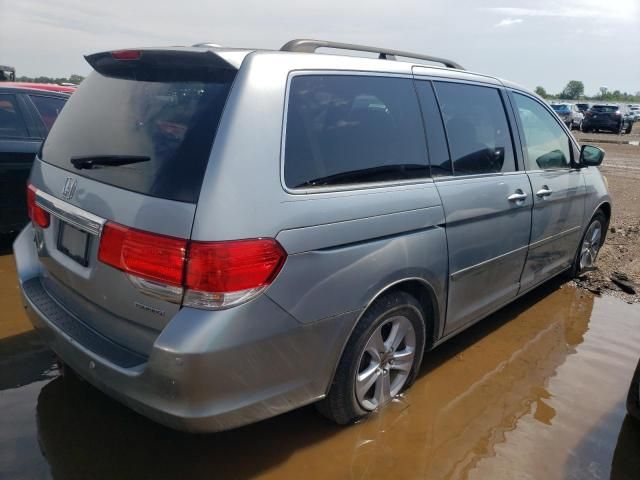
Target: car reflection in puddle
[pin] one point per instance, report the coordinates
(536, 390)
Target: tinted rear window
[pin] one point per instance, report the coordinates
(477, 128)
(11, 122)
(345, 129)
(605, 108)
(172, 124)
(48, 107)
(561, 108)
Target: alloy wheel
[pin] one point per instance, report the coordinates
(591, 245)
(385, 363)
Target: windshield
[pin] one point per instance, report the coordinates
(561, 108)
(171, 124)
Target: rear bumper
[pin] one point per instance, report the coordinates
(601, 123)
(207, 371)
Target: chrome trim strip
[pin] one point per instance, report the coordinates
(554, 237)
(70, 213)
(486, 262)
(447, 178)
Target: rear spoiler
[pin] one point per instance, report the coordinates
(163, 65)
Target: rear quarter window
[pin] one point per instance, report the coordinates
(351, 129)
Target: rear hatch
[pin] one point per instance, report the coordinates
(119, 177)
(605, 113)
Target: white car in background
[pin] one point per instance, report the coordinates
(569, 114)
(635, 111)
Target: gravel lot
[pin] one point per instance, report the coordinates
(621, 252)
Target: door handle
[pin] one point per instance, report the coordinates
(544, 192)
(518, 196)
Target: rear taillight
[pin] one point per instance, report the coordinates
(223, 274)
(143, 254)
(211, 275)
(36, 213)
(126, 54)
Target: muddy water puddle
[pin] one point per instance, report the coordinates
(535, 391)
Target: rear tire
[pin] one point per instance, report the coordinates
(364, 381)
(592, 241)
(629, 128)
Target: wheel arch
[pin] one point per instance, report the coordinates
(423, 292)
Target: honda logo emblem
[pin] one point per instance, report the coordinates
(69, 188)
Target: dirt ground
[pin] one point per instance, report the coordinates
(621, 251)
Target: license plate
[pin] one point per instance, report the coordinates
(74, 243)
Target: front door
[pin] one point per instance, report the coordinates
(558, 191)
(487, 201)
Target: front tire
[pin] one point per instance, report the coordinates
(381, 359)
(590, 244)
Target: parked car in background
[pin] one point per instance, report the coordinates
(7, 74)
(50, 87)
(569, 113)
(614, 117)
(208, 281)
(583, 107)
(26, 115)
(635, 112)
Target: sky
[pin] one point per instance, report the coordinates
(530, 42)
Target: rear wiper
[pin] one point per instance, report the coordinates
(108, 160)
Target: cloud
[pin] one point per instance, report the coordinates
(620, 10)
(505, 22)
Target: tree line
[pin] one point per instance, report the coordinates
(76, 79)
(574, 90)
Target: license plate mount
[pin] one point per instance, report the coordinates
(74, 243)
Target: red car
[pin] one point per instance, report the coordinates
(52, 87)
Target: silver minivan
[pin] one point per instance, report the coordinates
(221, 235)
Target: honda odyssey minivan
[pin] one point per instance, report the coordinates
(221, 235)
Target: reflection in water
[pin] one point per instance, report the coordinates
(515, 396)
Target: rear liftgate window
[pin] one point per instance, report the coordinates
(344, 129)
(146, 127)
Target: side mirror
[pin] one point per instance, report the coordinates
(591, 156)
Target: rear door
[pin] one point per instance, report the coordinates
(127, 154)
(19, 142)
(487, 200)
(558, 190)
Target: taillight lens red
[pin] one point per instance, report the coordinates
(147, 255)
(224, 267)
(218, 274)
(126, 54)
(37, 215)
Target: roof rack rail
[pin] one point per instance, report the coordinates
(207, 44)
(310, 46)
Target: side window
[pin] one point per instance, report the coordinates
(436, 140)
(477, 128)
(48, 108)
(546, 143)
(12, 124)
(349, 129)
